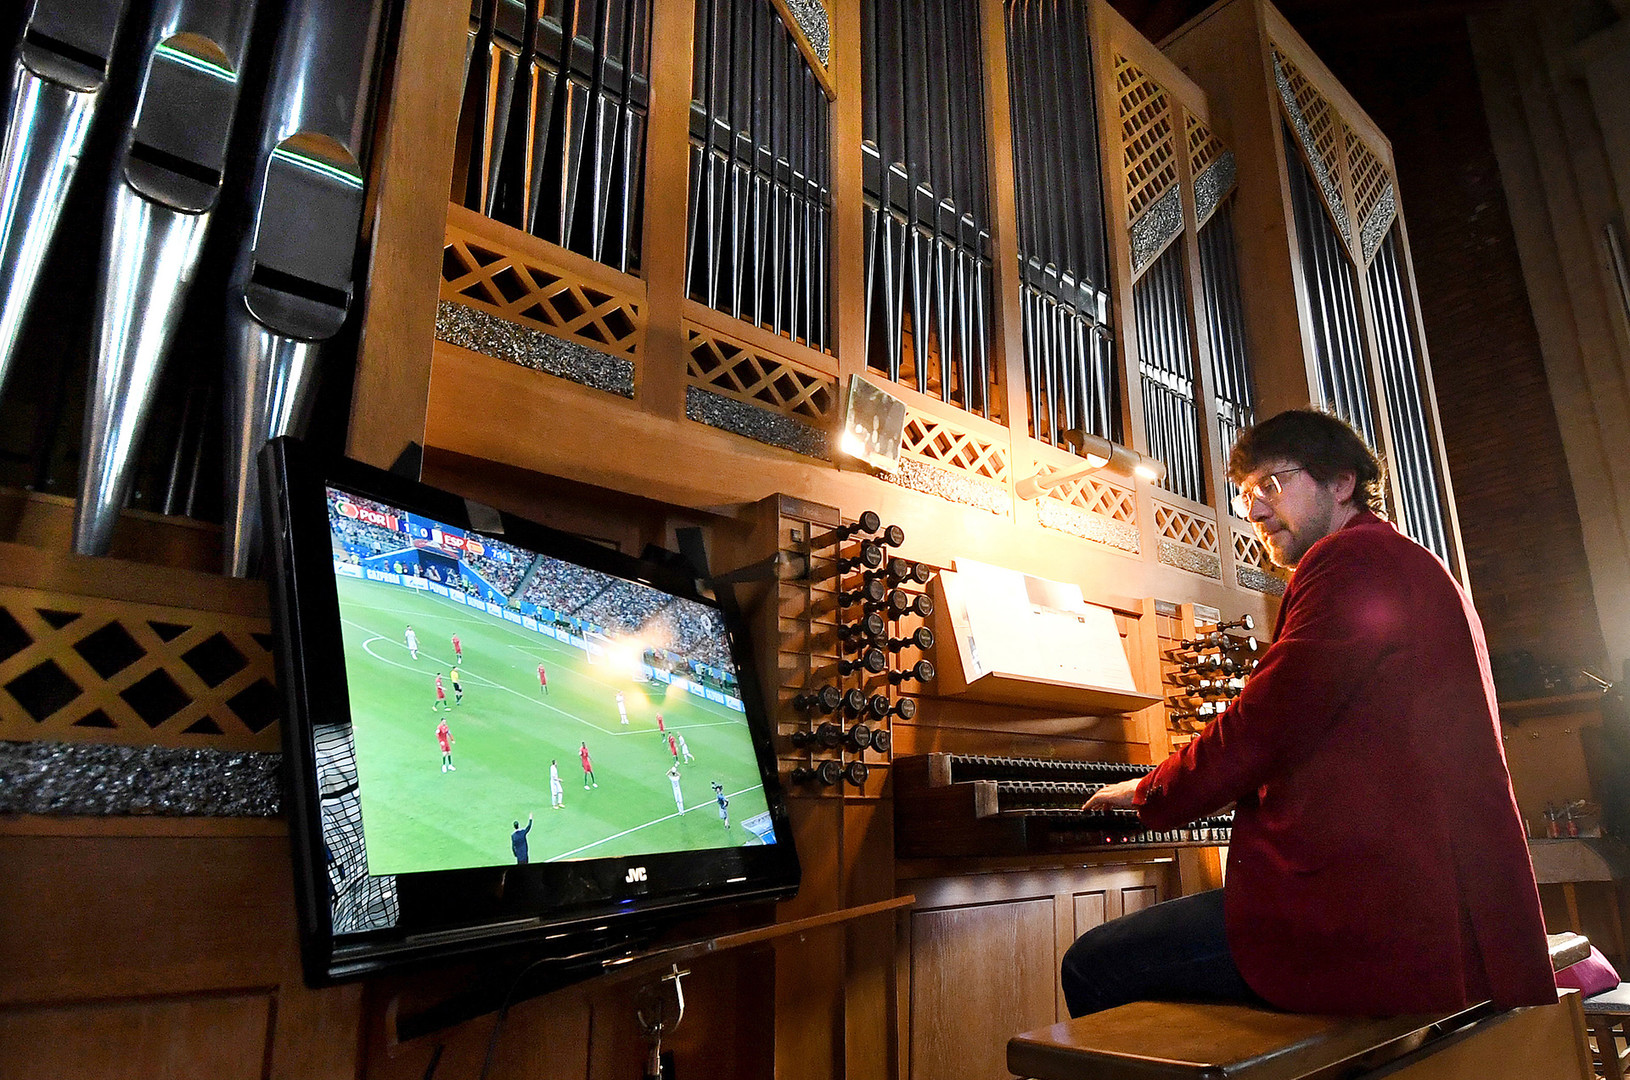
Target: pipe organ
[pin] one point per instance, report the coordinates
(668, 238)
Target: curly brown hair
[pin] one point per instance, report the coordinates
(1323, 444)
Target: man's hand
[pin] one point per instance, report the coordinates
(1113, 797)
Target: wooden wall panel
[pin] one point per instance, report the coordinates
(171, 915)
(983, 946)
(147, 947)
(978, 976)
(1091, 909)
(223, 1038)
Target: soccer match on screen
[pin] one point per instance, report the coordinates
(508, 707)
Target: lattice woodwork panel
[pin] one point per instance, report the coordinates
(1097, 497)
(477, 272)
(943, 443)
(1204, 147)
(1148, 150)
(1369, 176)
(92, 669)
(1249, 551)
(1323, 122)
(746, 374)
(1184, 527)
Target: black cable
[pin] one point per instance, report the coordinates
(503, 1012)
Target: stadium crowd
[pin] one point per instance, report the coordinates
(503, 576)
(622, 607)
(564, 588)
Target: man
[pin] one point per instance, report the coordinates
(684, 751)
(679, 796)
(517, 840)
(724, 803)
(622, 707)
(662, 729)
(412, 640)
(458, 690)
(441, 697)
(673, 748)
(588, 767)
(445, 739)
(458, 650)
(1377, 864)
(557, 790)
(543, 679)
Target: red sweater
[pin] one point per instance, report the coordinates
(1378, 863)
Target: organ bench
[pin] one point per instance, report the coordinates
(1157, 1040)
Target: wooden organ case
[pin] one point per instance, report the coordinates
(625, 263)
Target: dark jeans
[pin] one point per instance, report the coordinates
(1176, 951)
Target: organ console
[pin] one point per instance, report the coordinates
(969, 804)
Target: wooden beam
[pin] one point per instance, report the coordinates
(392, 388)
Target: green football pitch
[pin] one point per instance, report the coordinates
(417, 817)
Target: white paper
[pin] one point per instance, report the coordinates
(1016, 624)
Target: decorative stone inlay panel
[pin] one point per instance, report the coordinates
(1379, 222)
(1159, 225)
(1250, 577)
(1315, 123)
(811, 19)
(1121, 535)
(98, 779)
(757, 423)
(957, 487)
(485, 333)
(1191, 559)
(1213, 185)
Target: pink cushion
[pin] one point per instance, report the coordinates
(1589, 976)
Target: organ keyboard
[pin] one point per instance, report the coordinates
(968, 804)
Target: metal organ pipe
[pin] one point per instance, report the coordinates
(1416, 466)
(58, 71)
(292, 287)
(165, 187)
(1329, 276)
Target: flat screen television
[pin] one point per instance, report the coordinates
(502, 737)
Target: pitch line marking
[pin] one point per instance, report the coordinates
(637, 828)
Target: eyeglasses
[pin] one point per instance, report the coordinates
(1269, 488)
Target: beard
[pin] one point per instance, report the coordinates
(1291, 540)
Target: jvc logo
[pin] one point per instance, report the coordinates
(635, 873)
